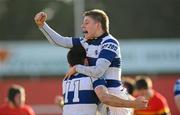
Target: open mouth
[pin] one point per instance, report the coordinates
(85, 32)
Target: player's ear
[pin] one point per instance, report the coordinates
(98, 25)
(86, 62)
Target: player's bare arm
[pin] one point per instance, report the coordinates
(109, 99)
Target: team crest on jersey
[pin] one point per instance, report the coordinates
(96, 52)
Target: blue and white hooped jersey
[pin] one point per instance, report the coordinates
(79, 95)
(177, 88)
(107, 47)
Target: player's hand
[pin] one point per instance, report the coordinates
(141, 103)
(71, 72)
(59, 101)
(40, 19)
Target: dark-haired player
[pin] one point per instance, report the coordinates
(82, 93)
(16, 102)
(157, 103)
(177, 93)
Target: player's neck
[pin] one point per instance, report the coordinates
(99, 33)
(11, 105)
(150, 93)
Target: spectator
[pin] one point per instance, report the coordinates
(177, 93)
(157, 103)
(16, 102)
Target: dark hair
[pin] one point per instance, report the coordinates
(13, 91)
(143, 83)
(100, 16)
(76, 55)
(129, 87)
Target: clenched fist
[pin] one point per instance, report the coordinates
(40, 18)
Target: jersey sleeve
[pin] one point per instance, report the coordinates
(163, 107)
(98, 82)
(109, 50)
(96, 71)
(59, 40)
(177, 88)
(30, 111)
(76, 41)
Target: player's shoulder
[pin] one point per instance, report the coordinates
(76, 76)
(177, 87)
(81, 75)
(111, 44)
(110, 39)
(159, 98)
(28, 109)
(178, 82)
(161, 103)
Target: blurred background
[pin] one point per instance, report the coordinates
(148, 32)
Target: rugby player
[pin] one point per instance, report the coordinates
(157, 103)
(79, 96)
(177, 93)
(15, 104)
(102, 51)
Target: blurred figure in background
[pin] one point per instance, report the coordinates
(157, 103)
(177, 93)
(16, 102)
(128, 83)
(59, 101)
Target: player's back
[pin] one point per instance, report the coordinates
(79, 96)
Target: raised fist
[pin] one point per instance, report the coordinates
(40, 18)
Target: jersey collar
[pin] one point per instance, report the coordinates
(102, 36)
(98, 39)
